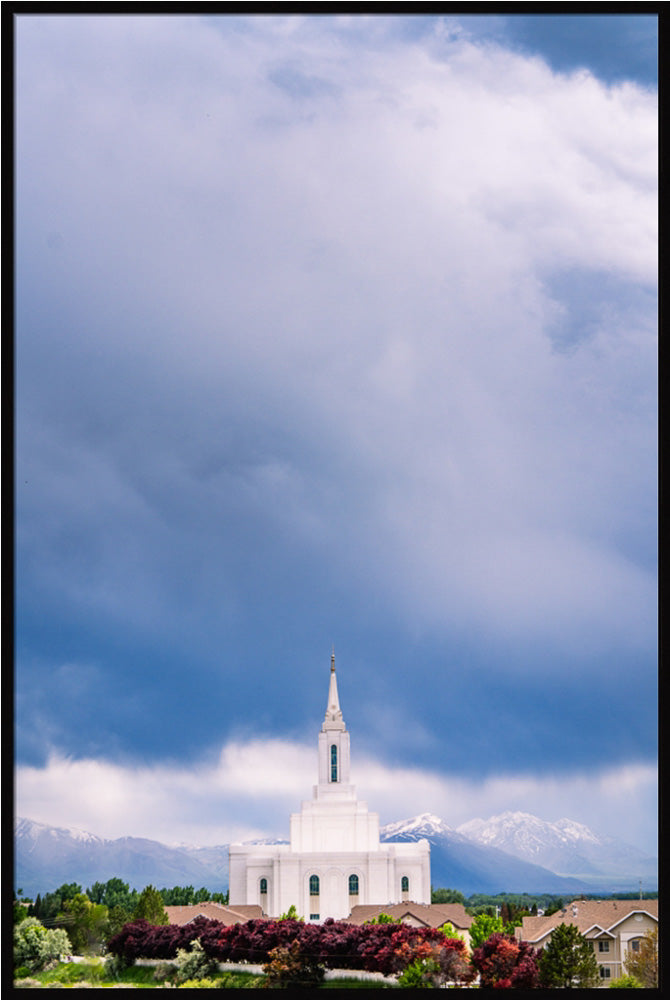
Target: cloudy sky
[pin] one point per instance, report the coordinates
(335, 331)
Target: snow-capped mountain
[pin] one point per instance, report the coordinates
(426, 825)
(564, 846)
(45, 857)
(514, 852)
(457, 862)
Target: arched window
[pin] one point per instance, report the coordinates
(314, 885)
(353, 885)
(264, 887)
(404, 884)
(333, 763)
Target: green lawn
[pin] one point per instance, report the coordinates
(66, 974)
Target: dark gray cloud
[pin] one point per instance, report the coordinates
(328, 342)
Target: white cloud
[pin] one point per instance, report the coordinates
(252, 787)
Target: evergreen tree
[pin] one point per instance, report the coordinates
(568, 961)
(150, 907)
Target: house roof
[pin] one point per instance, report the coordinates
(428, 914)
(593, 917)
(213, 911)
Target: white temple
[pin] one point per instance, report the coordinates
(334, 860)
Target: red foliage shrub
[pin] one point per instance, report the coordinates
(373, 947)
(505, 963)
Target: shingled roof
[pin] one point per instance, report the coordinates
(428, 914)
(592, 917)
(213, 911)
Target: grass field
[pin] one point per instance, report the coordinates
(92, 974)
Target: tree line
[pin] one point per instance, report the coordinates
(129, 923)
(93, 916)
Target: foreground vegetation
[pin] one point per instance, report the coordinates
(136, 976)
(293, 953)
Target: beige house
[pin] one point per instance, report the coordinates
(418, 915)
(614, 927)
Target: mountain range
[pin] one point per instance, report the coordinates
(517, 852)
(513, 852)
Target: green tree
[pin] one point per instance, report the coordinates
(150, 907)
(450, 931)
(35, 946)
(86, 923)
(68, 890)
(113, 892)
(178, 895)
(117, 918)
(643, 964)
(482, 927)
(446, 896)
(568, 960)
(21, 909)
(47, 908)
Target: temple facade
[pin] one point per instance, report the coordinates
(334, 860)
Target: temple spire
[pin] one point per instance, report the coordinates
(333, 717)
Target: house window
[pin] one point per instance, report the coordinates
(313, 886)
(314, 916)
(353, 885)
(404, 884)
(603, 946)
(634, 945)
(264, 887)
(333, 763)
(605, 972)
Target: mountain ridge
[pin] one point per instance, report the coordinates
(48, 856)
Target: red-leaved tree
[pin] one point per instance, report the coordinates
(505, 963)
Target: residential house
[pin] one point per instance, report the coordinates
(418, 915)
(615, 928)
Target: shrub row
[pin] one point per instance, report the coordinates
(334, 944)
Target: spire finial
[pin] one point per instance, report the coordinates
(333, 711)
